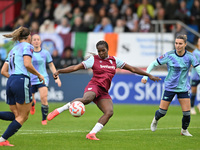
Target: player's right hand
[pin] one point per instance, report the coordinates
(41, 78)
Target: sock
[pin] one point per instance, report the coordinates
(160, 113)
(33, 104)
(192, 99)
(185, 119)
(44, 109)
(97, 128)
(63, 108)
(12, 129)
(2, 139)
(6, 115)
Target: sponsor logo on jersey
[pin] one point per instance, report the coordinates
(106, 66)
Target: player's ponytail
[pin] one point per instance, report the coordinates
(18, 34)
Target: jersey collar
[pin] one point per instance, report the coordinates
(179, 55)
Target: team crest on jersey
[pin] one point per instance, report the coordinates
(161, 57)
(32, 50)
(111, 61)
(100, 61)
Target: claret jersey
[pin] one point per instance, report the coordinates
(103, 69)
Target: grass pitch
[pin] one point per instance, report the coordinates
(129, 128)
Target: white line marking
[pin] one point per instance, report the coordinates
(83, 131)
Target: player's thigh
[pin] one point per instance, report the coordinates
(23, 112)
(105, 105)
(89, 96)
(164, 104)
(23, 109)
(13, 108)
(185, 103)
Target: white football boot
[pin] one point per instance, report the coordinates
(193, 111)
(185, 132)
(154, 124)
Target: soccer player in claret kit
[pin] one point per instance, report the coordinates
(104, 67)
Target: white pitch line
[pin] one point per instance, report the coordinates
(82, 131)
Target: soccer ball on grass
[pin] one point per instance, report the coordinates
(77, 109)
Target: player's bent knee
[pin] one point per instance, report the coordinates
(21, 119)
(86, 101)
(109, 113)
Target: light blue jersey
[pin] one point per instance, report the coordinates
(194, 74)
(39, 61)
(16, 60)
(177, 79)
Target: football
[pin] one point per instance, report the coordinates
(77, 109)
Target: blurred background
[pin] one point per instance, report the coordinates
(137, 31)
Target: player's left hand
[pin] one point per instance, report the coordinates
(143, 80)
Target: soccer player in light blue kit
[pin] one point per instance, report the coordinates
(39, 60)
(195, 80)
(177, 81)
(16, 69)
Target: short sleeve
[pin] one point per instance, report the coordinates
(163, 59)
(7, 59)
(194, 61)
(119, 63)
(28, 50)
(88, 63)
(49, 58)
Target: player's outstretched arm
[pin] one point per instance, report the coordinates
(149, 68)
(68, 70)
(140, 72)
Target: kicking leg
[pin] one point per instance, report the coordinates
(87, 98)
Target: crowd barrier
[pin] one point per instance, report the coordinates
(125, 89)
